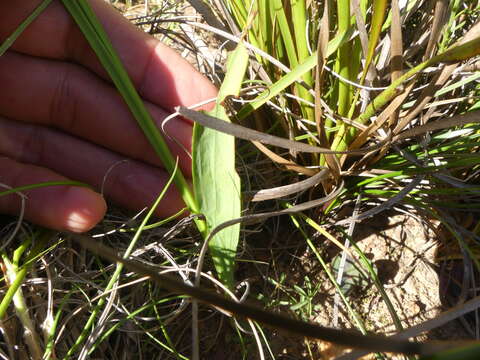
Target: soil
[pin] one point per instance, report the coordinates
(404, 253)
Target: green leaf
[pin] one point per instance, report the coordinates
(236, 66)
(464, 51)
(378, 16)
(284, 27)
(352, 277)
(215, 180)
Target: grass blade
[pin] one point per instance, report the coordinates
(19, 30)
(285, 32)
(378, 16)
(42, 184)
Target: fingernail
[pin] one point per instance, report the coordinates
(85, 209)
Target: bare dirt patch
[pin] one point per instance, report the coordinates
(403, 252)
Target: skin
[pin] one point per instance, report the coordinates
(61, 118)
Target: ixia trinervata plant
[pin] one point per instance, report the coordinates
(336, 111)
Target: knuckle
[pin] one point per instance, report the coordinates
(62, 104)
(31, 145)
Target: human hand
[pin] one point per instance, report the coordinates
(61, 118)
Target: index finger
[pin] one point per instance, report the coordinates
(160, 74)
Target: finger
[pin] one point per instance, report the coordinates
(160, 74)
(71, 98)
(68, 208)
(129, 183)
